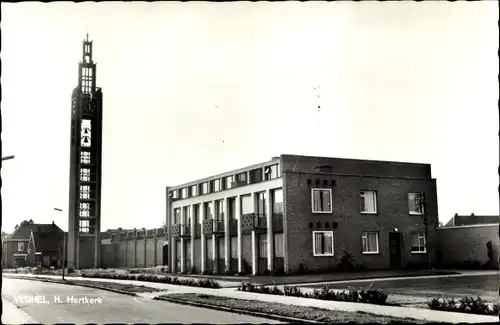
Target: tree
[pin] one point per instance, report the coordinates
(30, 222)
(4, 235)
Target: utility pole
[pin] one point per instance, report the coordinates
(64, 247)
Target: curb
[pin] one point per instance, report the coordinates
(238, 311)
(75, 284)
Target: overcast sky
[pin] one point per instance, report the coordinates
(194, 89)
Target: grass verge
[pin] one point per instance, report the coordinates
(299, 312)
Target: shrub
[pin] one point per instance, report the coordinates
(302, 269)
(246, 286)
(346, 262)
(468, 305)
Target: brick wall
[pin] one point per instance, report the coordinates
(392, 212)
(459, 244)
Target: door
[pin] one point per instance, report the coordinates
(395, 242)
(165, 254)
(221, 258)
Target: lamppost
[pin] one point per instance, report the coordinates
(64, 247)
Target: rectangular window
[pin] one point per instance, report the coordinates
(278, 245)
(263, 246)
(204, 188)
(256, 175)
(416, 203)
(85, 133)
(231, 202)
(321, 200)
(197, 219)
(20, 247)
(261, 203)
(323, 243)
(177, 216)
(219, 211)
(194, 190)
(369, 241)
(84, 226)
(241, 178)
(187, 215)
(277, 197)
(234, 247)
(215, 185)
(184, 193)
(271, 172)
(418, 243)
(174, 194)
(368, 201)
(210, 248)
(246, 204)
(228, 182)
(208, 210)
(85, 192)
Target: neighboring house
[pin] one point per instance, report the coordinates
(32, 245)
(472, 219)
(301, 212)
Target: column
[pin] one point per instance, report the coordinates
(155, 233)
(254, 236)
(203, 243)
(193, 226)
(238, 217)
(135, 248)
(215, 218)
(172, 241)
(270, 237)
(183, 244)
(227, 243)
(145, 238)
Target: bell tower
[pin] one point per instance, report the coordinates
(84, 224)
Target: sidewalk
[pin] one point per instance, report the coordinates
(12, 315)
(402, 312)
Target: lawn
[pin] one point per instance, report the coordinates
(306, 313)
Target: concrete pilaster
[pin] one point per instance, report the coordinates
(227, 251)
(203, 240)
(193, 226)
(238, 217)
(270, 241)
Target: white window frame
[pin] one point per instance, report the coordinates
(413, 213)
(361, 193)
(365, 235)
(329, 190)
(314, 243)
(20, 246)
(419, 234)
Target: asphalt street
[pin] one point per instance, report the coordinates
(48, 303)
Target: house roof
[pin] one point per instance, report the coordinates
(472, 219)
(23, 232)
(47, 241)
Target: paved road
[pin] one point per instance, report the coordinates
(483, 285)
(112, 308)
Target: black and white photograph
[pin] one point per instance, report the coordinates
(250, 162)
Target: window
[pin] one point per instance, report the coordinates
(85, 133)
(228, 182)
(261, 203)
(208, 210)
(194, 190)
(271, 172)
(256, 175)
(187, 215)
(323, 243)
(263, 246)
(215, 185)
(369, 241)
(85, 158)
(416, 203)
(85, 175)
(418, 244)
(177, 216)
(241, 178)
(85, 192)
(210, 248)
(204, 188)
(184, 193)
(231, 202)
(246, 204)
(278, 245)
(234, 247)
(321, 200)
(84, 226)
(277, 197)
(197, 219)
(20, 247)
(368, 201)
(219, 210)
